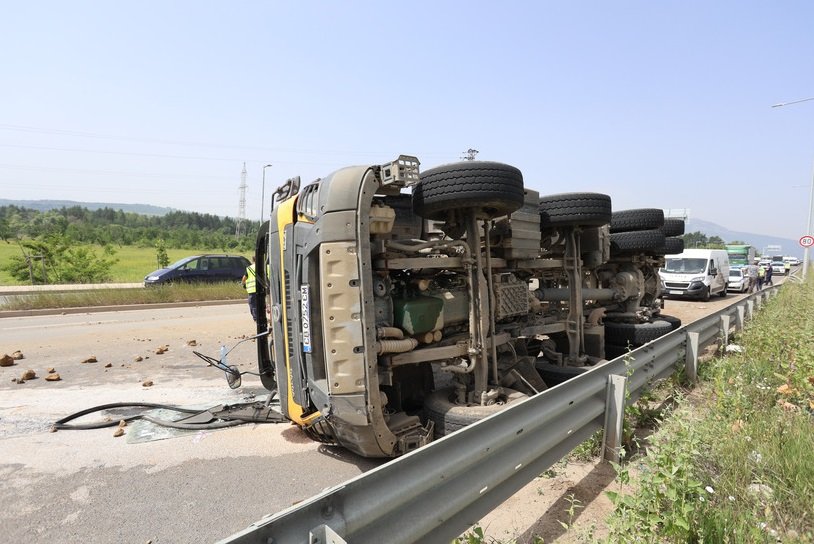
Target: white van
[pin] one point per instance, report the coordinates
(696, 273)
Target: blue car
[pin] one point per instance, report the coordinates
(200, 268)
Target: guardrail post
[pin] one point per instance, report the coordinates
(740, 318)
(758, 300)
(725, 320)
(324, 535)
(691, 357)
(614, 418)
(750, 309)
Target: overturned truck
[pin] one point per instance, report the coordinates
(398, 306)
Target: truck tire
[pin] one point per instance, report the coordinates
(492, 189)
(673, 321)
(575, 209)
(635, 334)
(643, 241)
(673, 246)
(612, 351)
(638, 219)
(450, 417)
(554, 374)
(673, 227)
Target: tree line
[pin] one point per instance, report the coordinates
(56, 246)
(107, 226)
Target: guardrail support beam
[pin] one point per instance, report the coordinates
(740, 318)
(725, 322)
(750, 309)
(691, 357)
(614, 418)
(324, 535)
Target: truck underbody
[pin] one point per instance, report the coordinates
(402, 306)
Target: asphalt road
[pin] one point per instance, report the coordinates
(87, 486)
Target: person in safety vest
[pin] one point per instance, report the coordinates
(250, 284)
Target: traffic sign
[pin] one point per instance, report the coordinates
(807, 241)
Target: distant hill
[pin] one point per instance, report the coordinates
(790, 247)
(45, 205)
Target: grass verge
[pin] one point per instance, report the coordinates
(132, 262)
(734, 462)
(116, 297)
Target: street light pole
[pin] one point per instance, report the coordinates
(808, 224)
(263, 196)
(811, 192)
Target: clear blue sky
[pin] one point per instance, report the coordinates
(659, 104)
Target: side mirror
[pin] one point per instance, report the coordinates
(233, 378)
(713, 271)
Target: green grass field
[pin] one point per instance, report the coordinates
(133, 262)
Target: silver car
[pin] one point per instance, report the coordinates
(738, 280)
(778, 268)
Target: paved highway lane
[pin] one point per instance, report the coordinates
(87, 486)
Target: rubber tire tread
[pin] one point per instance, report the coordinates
(575, 209)
(450, 417)
(612, 351)
(493, 188)
(673, 321)
(636, 334)
(554, 375)
(637, 219)
(643, 241)
(673, 246)
(673, 227)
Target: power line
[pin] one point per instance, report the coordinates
(82, 134)
(104, 172)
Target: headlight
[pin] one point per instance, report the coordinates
(699, 278)
(152, 278)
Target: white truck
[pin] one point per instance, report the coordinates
(695, 273)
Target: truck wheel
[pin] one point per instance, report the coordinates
(635, 334)
(722, 294)
(705, 296)
(673, 321)
(575, 209)
(612, 351)
(673, 246)
(673, 227)
(492, 189)
(554, 374)
(644, 241)
(450, 417)
(638, 219)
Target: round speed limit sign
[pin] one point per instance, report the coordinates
(807, 241)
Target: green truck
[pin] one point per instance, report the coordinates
(740, 255)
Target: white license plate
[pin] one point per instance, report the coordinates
(676, 292)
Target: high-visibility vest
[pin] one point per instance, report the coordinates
(251, 280)
(761, 272)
